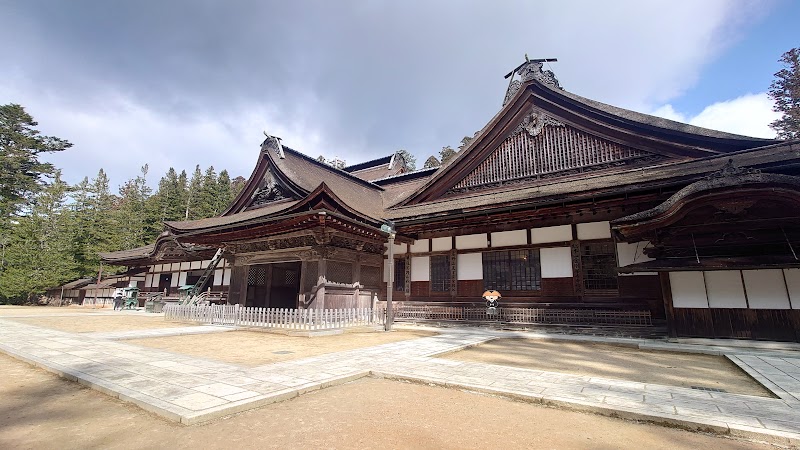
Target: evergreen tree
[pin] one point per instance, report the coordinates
(785, 91)
(39, 252)
(21, 172)
(193, 194)
(167, 203)
(224, 193)
(131, 214)
(207, 195)
(431, 162)
(446, 154)
(411, 161)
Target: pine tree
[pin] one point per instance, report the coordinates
(785, 91)
(446, 154)
(431, 162)
(39, 251)
(21, 172)
(224, 193)
(192, 194)
(207, 195)
(131, 215)
(411, 161)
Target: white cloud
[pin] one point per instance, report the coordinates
(748, 115)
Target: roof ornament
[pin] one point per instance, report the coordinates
(531, 69)
(273, 143)
(535, 122)
(731, 170)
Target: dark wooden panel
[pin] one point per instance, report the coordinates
(738, 323)
(639, 286)
(237, 290)
(470, 288)
(420, 289)
(558, 287)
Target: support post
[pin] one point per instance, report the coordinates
(390, 285)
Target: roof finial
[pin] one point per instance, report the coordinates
(273, 142)
(531, 69)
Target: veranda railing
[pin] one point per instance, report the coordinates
(522, 315)
(292, 319)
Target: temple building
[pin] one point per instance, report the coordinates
(559, 202)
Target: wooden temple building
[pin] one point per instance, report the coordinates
(558, 202)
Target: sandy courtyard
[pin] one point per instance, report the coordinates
(15, 310)
(98, 323)
(256, 348)
(615, 361)
(42, 411)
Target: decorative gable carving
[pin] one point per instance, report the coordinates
(269, 191)
(542, 147)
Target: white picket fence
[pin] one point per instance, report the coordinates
(292, 319)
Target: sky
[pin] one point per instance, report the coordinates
(183, 82)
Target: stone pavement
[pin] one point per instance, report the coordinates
(191, 390)
(157, 332)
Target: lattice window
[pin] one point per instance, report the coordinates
(312, 271)
(399, 274)
(340, 272)
(599, 263)
(370, 276)
(512, 270)
(440, 273)
(556, 149)
(257, 276)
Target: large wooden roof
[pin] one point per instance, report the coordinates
(544, 146)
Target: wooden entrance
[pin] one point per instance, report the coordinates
(273, 285)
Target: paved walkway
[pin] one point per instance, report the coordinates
(191, 390)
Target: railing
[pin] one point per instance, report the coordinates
(523, 315)
(292, 319)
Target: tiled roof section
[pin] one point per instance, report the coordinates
(658, 122)
(378, 172)
(383, 161)
(395, 192)
(362, 196)
(572, 189)
(132, 253)
(244, 216)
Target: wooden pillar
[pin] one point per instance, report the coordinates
(321, 280)
(669, 310)
(356, 279)
(268, 286)
(237, 290)
(301, 301)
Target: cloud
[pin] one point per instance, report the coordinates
(185, 82)
(748, 115)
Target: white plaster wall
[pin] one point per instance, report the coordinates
(688, 290)
(175, 267)
(420, 246)
(765, 289)
(185, 265)
(556, 262)
(182, 279)
(628, 254)
(793, 285)
(594, 230)
(174, 280)
(471, 241)
(399, 249)
(218, 277)
(226, 277)
(558, 233)
(469, 266)
(421, 268)
(507, 238)
(725, 289)
(442, 244)
(148, 280)
(194, 265)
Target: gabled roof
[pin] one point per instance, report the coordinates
(642, 133)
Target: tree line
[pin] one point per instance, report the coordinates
(51, 232)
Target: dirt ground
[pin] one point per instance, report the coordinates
(14, 310)
(42, 411)
(255, 348)
(614, 361)
(100, 323)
